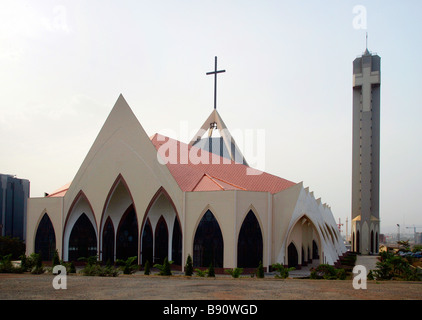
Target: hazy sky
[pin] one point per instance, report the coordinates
(63, 65)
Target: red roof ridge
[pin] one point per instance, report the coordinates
(230, 183)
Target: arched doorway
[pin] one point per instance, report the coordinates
(82, 240)
(208, 246)
(292, 256)
(161, 241)
(127, 235)
(108, 242)
(147, 244)
(250, 244)
(119, 210)
(45, 239)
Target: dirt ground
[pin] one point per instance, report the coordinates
(141, 287)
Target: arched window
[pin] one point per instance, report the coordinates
(250, 244)
(45, 239)
(208, 246)
(108, 242)
(147, 244)
(127, 235)
(176, 252)
(83, 240)
(161, 241)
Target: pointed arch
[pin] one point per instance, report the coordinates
(45, 239)
(303, 233)
(83, 239)
(72, 250)
(208, 244)
(250, 244)
(161, 208)
(119, 209)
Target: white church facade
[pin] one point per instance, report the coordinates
(125, 202)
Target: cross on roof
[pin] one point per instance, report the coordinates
(215, 72)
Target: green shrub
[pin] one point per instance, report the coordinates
(283, 271)
(37, 264)
(235, 273)
(189, 266)
(129, 265)
(201, 273)
(56, 259)
(99, 271)
(13, 246)
(164, 268)
(6, 265)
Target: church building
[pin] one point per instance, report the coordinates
(156, 197)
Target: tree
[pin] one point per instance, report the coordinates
(211, 271)
(147, 270)
(189, 266)
(56, 259)
(260, 271)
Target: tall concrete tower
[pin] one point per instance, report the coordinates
(366, 153)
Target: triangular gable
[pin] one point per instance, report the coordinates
(122, 147)
(215, 122)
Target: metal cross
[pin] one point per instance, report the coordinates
(215, 81)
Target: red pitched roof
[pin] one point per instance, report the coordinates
(59, 192)
(197, 170)
(204, 171)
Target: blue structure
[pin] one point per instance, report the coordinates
(14, 194)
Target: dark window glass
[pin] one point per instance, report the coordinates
(161, 241)
(250, 245)
(127, 235)
(147, 244)
(45, 239)
(83, 241)
(208, 244)
(177, 243)
(108, 242)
